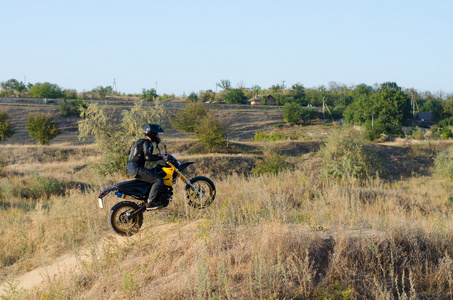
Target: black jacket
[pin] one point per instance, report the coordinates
(141, 151)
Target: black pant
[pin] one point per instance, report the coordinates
(147, 175)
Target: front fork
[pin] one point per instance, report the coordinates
(184, 179)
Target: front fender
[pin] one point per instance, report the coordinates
(185, 165)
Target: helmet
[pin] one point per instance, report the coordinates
(152, 131)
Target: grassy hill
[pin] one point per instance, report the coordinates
(294, 235)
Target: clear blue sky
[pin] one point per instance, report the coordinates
(190, 45)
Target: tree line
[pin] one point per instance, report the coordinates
(381, 108)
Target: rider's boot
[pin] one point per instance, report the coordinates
(152, 205)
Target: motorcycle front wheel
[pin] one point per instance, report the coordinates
(203, 194)
(121, 222)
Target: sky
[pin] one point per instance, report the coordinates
(181, 46)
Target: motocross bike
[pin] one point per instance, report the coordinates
(126, 217)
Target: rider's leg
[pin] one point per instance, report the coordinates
(156, 183)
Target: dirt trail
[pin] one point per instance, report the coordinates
(69, 262)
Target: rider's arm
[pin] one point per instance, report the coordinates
(148, 152)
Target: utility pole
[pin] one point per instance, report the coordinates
(114, 85)
(156, 86)
(283, 86)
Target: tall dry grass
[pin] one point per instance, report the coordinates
(294, 235)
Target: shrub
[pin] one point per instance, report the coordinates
(35, 187)
(296, 114)
(6, 129)
(273, 162)
(446, 133)
(346, 154)
(189, 117)
(74, 106)
(192, 97)
(418, 134)
(443, 164)
(42, 127)
(264, 136)
(65, 108)
(210, 132)
(114, 139)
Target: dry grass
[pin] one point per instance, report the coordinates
(288, 236)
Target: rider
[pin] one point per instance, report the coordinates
(142, 151)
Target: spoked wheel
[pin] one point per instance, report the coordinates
(203, 194)
(120, 220)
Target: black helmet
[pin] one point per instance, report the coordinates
(152, 131)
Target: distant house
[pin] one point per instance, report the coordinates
(424, 119)
(262, 100)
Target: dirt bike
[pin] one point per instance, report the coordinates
(126, 217)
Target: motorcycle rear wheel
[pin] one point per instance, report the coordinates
(206, 189)
(119, 221)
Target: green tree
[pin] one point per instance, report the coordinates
(389, 86)
(65, 108)
(69, 94)
(11, 86)
(210, 132)
(362, 89)
(292, 113)
(207, 96)
(389, 107)
(225, 85)
(72, 107)
(114, 138)
(6, 129)
(193, 97)
(46, 90)
(296, 114)
(187, 119)
(235, 96)
(42, 127)
(434, 106)
(298, 91)
(149, 95)
(101, 92)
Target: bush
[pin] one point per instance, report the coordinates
(417, 133)
(188, 119)
(210, 132)
(35, 187)
(264, 136)
(74, 106)
(443, 164)
(272, 162)
(6, 129)
(114, 139)
(374, 130)
(446, 133)
(296, 114)
(65, 108)
(346, 154)
(42, 127)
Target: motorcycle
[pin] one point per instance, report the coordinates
(126, 217)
